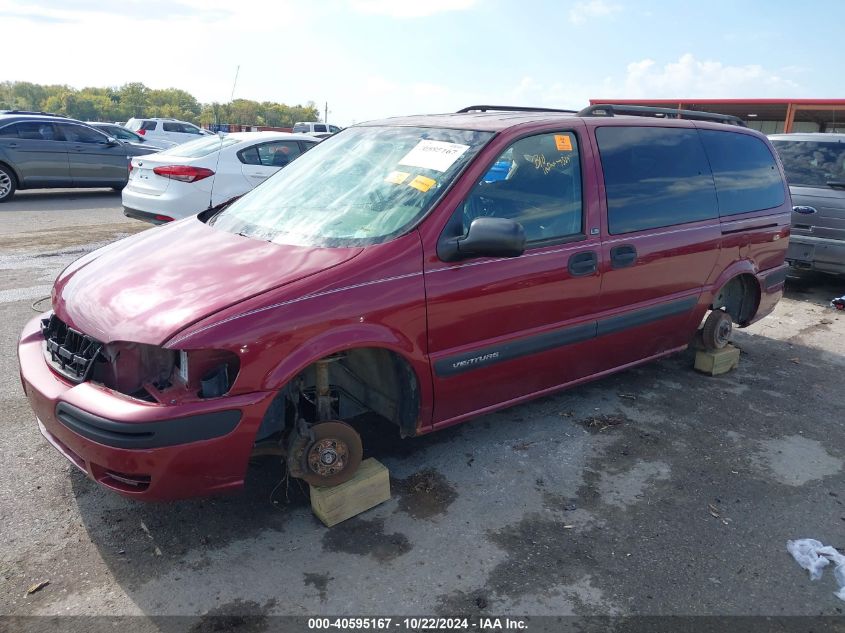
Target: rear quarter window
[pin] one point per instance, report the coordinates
(746, 174)
(654, 177)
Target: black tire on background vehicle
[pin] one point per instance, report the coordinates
(716, 333)
(8, 183)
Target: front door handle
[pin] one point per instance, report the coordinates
(623, 256)
(583, 263)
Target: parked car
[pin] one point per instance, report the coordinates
(815, 169)
(381, 274)
(43, 151)
(128, 136)
(318, 130)
(166, 129)
(206, 172)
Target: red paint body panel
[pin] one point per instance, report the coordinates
(149, 286)
(280, 308)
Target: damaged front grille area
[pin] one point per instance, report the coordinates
(71, 353)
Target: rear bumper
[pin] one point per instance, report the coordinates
(816, 253)
(145, 216)
(139, 449)
(177, 201)
(771, 283)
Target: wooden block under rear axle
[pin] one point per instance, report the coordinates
(719, 362)
(369, 487)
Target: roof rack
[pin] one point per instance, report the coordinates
(612, 109)
(487, 108)
(32, 112)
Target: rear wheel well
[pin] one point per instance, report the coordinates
(739, 298)
(13, 173)
(362, 380)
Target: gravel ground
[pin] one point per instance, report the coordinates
(655, 491)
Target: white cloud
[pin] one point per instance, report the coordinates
(583, 11)
(689, 77)
(410, 8)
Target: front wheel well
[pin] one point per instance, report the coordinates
(739, 297)
(361, 380)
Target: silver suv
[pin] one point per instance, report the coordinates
(815, 169)
(166, 129)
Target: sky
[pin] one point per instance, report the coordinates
(370, 59)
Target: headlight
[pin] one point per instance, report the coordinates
(153, 373)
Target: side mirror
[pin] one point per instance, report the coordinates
(112, 141)
(487, 237)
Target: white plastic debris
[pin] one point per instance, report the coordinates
(814, 557)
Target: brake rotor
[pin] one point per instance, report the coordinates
(333, 456)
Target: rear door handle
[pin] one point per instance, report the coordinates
(623, 256)
(583, 263)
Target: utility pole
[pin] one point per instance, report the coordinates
(326, 115)
(235, 83)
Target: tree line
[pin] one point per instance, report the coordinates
(137, 100)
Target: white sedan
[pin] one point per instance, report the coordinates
(206, 172)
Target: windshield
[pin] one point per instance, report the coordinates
(812, 163)
(363, 186)
(200, 147)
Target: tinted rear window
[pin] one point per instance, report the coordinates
(200, 147)
(746, 175)
(812, 163)
(654, 177)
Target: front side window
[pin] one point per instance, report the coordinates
(362, 186)
(812, 163)
(747, 177)
(174, 127)
(537, 183)
(79, 134)
(654, 177)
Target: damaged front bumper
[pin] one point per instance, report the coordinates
(140, 449)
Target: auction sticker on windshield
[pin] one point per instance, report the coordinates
(436, 155)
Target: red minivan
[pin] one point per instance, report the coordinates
(426, 269)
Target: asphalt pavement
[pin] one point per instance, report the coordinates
(655, 491)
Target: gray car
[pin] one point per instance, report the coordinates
(128, 136)
(815, 168)
(42, 150)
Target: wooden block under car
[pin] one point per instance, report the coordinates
(369, 487)
(719, 362)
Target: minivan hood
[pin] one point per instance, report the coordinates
(148, 287)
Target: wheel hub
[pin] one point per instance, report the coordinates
(327, 456)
